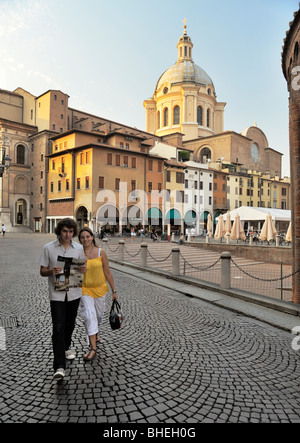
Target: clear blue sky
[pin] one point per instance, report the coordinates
(108, 55)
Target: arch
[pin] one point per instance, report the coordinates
(173, 217)
(21, 212)
(154, 216)
(107, 214)
(203, 220)
(205, 154)
(132, 216)
(82, 216)
(176, 115)
(21, 185)
(190, 218)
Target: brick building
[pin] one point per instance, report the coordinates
(291, 71)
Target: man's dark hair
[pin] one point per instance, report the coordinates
(69, 223)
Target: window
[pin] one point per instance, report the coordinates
(176, 115)
(126, 145)
(208, 118)
(109, 159)
(121, 145)
(51, 187)
(62, 164)
(149, 186)
(166, 116)
(41, 189)
(78, 183)
(21, 155)
(150, 165)
(53, 165)
(67, 184)
(87, 182)
(133, 162)
(283, 191)
(159, 166)
(59, 186)
(179, 177)
(159, 187)
(205, 155)
(200, 115)
(125, 161)
(168, 179)
(101, 182)
(117, 184)
(118, 157)
(133, 185)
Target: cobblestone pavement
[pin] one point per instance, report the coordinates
(177, 359)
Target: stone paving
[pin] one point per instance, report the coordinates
(176, 360)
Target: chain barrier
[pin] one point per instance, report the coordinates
(263, 279)
(204, 268)
(157, 260)
(132, 255)
(111, 250)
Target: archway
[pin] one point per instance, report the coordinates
(82, 216)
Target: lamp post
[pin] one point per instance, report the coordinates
(5, 160)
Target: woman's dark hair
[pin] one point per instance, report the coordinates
(69, 223)
(90, 232)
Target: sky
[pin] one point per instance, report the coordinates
(108, 55)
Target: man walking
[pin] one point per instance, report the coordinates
(64, 303)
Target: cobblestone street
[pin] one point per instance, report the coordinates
(176, 360)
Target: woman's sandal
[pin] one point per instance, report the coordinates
(90, 355)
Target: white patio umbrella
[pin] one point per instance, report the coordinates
(228, 224)
(237, 231)
(209, 226)
(268, 231)
(288, 236)
(220, 228)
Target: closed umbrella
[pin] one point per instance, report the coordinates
(288, 236)
(209, 226)
(237, 231)
(268, 231)
(228, 224)
(220, 228)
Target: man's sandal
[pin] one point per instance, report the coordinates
(90, 355)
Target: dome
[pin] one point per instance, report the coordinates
(184, 72)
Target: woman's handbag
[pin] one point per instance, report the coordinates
(116, 316)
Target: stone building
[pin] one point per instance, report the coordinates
(291, 71)
(185, 104)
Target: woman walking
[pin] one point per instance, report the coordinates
(94, 288)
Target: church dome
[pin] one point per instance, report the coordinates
(185, 71)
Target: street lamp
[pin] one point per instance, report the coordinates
(5, 160)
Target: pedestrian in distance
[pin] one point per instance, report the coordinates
(94, 289)
(3, 230)
(63, 302)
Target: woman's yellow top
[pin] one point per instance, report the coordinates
(94, 281)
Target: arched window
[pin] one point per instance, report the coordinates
(166, 117)
(176, 115)
(200, 115)
(158, 119)
(296, 51)
(205, 155)
(208, 118)
(21, 155)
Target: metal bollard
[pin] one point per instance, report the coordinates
(144, 253)
(225, 270)
(121, 250)
(105, 243)
(175, 261)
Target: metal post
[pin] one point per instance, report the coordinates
(281, 281)
(144, 253)
(225, 270)
(121, 250)
(175, 261)
(105, 244)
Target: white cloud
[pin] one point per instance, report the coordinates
(18, 15)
